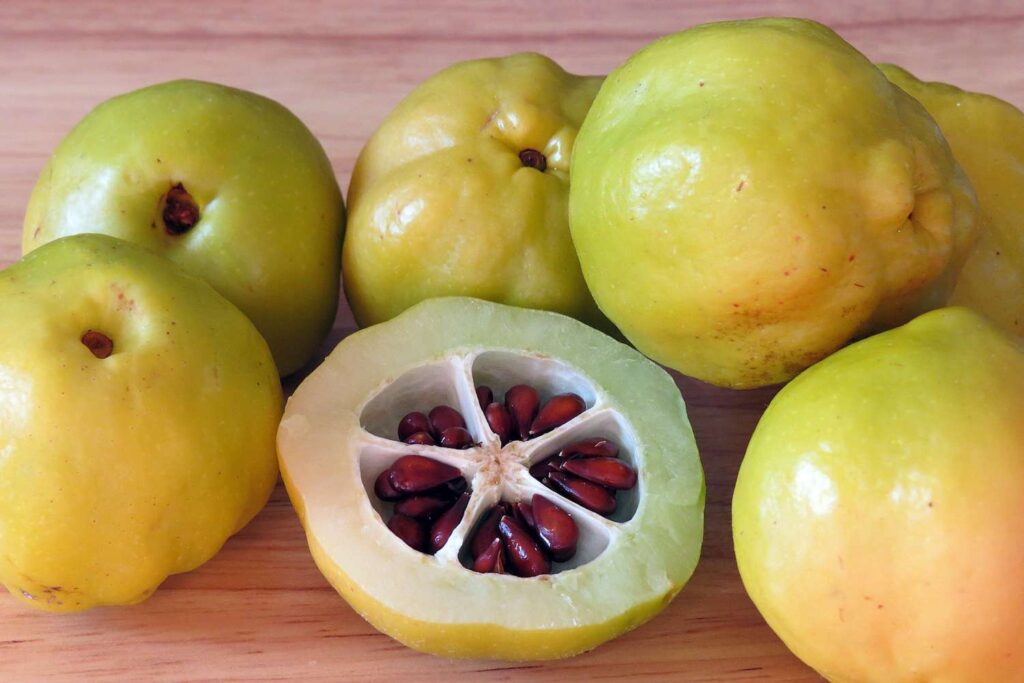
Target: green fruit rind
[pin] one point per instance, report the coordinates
(449, 610)
(118, 472)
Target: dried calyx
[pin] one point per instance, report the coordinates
(180, 212)
(99, 344)
(532, 158)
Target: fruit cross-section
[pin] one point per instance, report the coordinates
(498, 471)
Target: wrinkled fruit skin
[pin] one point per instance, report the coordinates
(442, 204)
(986, 135)
(271, 214)
(878, 514)
(739, 217)
(119, 471)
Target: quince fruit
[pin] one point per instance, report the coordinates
(463, 190)
(226, 183)
(748, 196)
(138, 412)
(986, 135)
(878, 514)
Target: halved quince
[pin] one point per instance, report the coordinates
(338, 443)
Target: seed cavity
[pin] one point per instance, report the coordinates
(528, 537)
(180, 212)
(99, 344)
(444, 426)
(430, 498)
(531, 158)
(587, 472)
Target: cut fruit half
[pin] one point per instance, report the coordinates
(339, 445)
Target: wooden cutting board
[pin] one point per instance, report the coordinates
(260, 609)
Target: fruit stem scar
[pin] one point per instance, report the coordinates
(98, 343)
(180, 211)
(531, 158)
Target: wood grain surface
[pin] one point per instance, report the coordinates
(260, 609)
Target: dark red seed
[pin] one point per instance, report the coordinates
(522, 401)
(589, 495)
(422, 507)
(609, 472)
(556, 529)
(485, 561)
(524, 515)
(409, 530)
(412, 423)
(501, 562)
(499, 420)
(452, 489)
(443, 417)
(420, 438)
(539, 470)
(556, 412)
(449, 491)
(441, 530)
(456, 437)
(415, 473)
(487, 531)
(484, 395)
(525, 556)
(383, 489)
(589, 448)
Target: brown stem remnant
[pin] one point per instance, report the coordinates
(98, 343)
(180, 212)
(533, 159)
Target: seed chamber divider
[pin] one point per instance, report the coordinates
(495, 473)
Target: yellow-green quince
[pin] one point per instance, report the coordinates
(138, 412)
(463, 190)
(226, 183)
(748, 196)
(987, 138)
(878, 514)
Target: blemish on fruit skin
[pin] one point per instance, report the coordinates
(490, 118)
(743, 183)
(851, 257)
(857, 284)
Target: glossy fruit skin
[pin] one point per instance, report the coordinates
(878, 514)
(739, 216)
(986, 135)
(441, 203)
(120, 471)
(270, 230)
